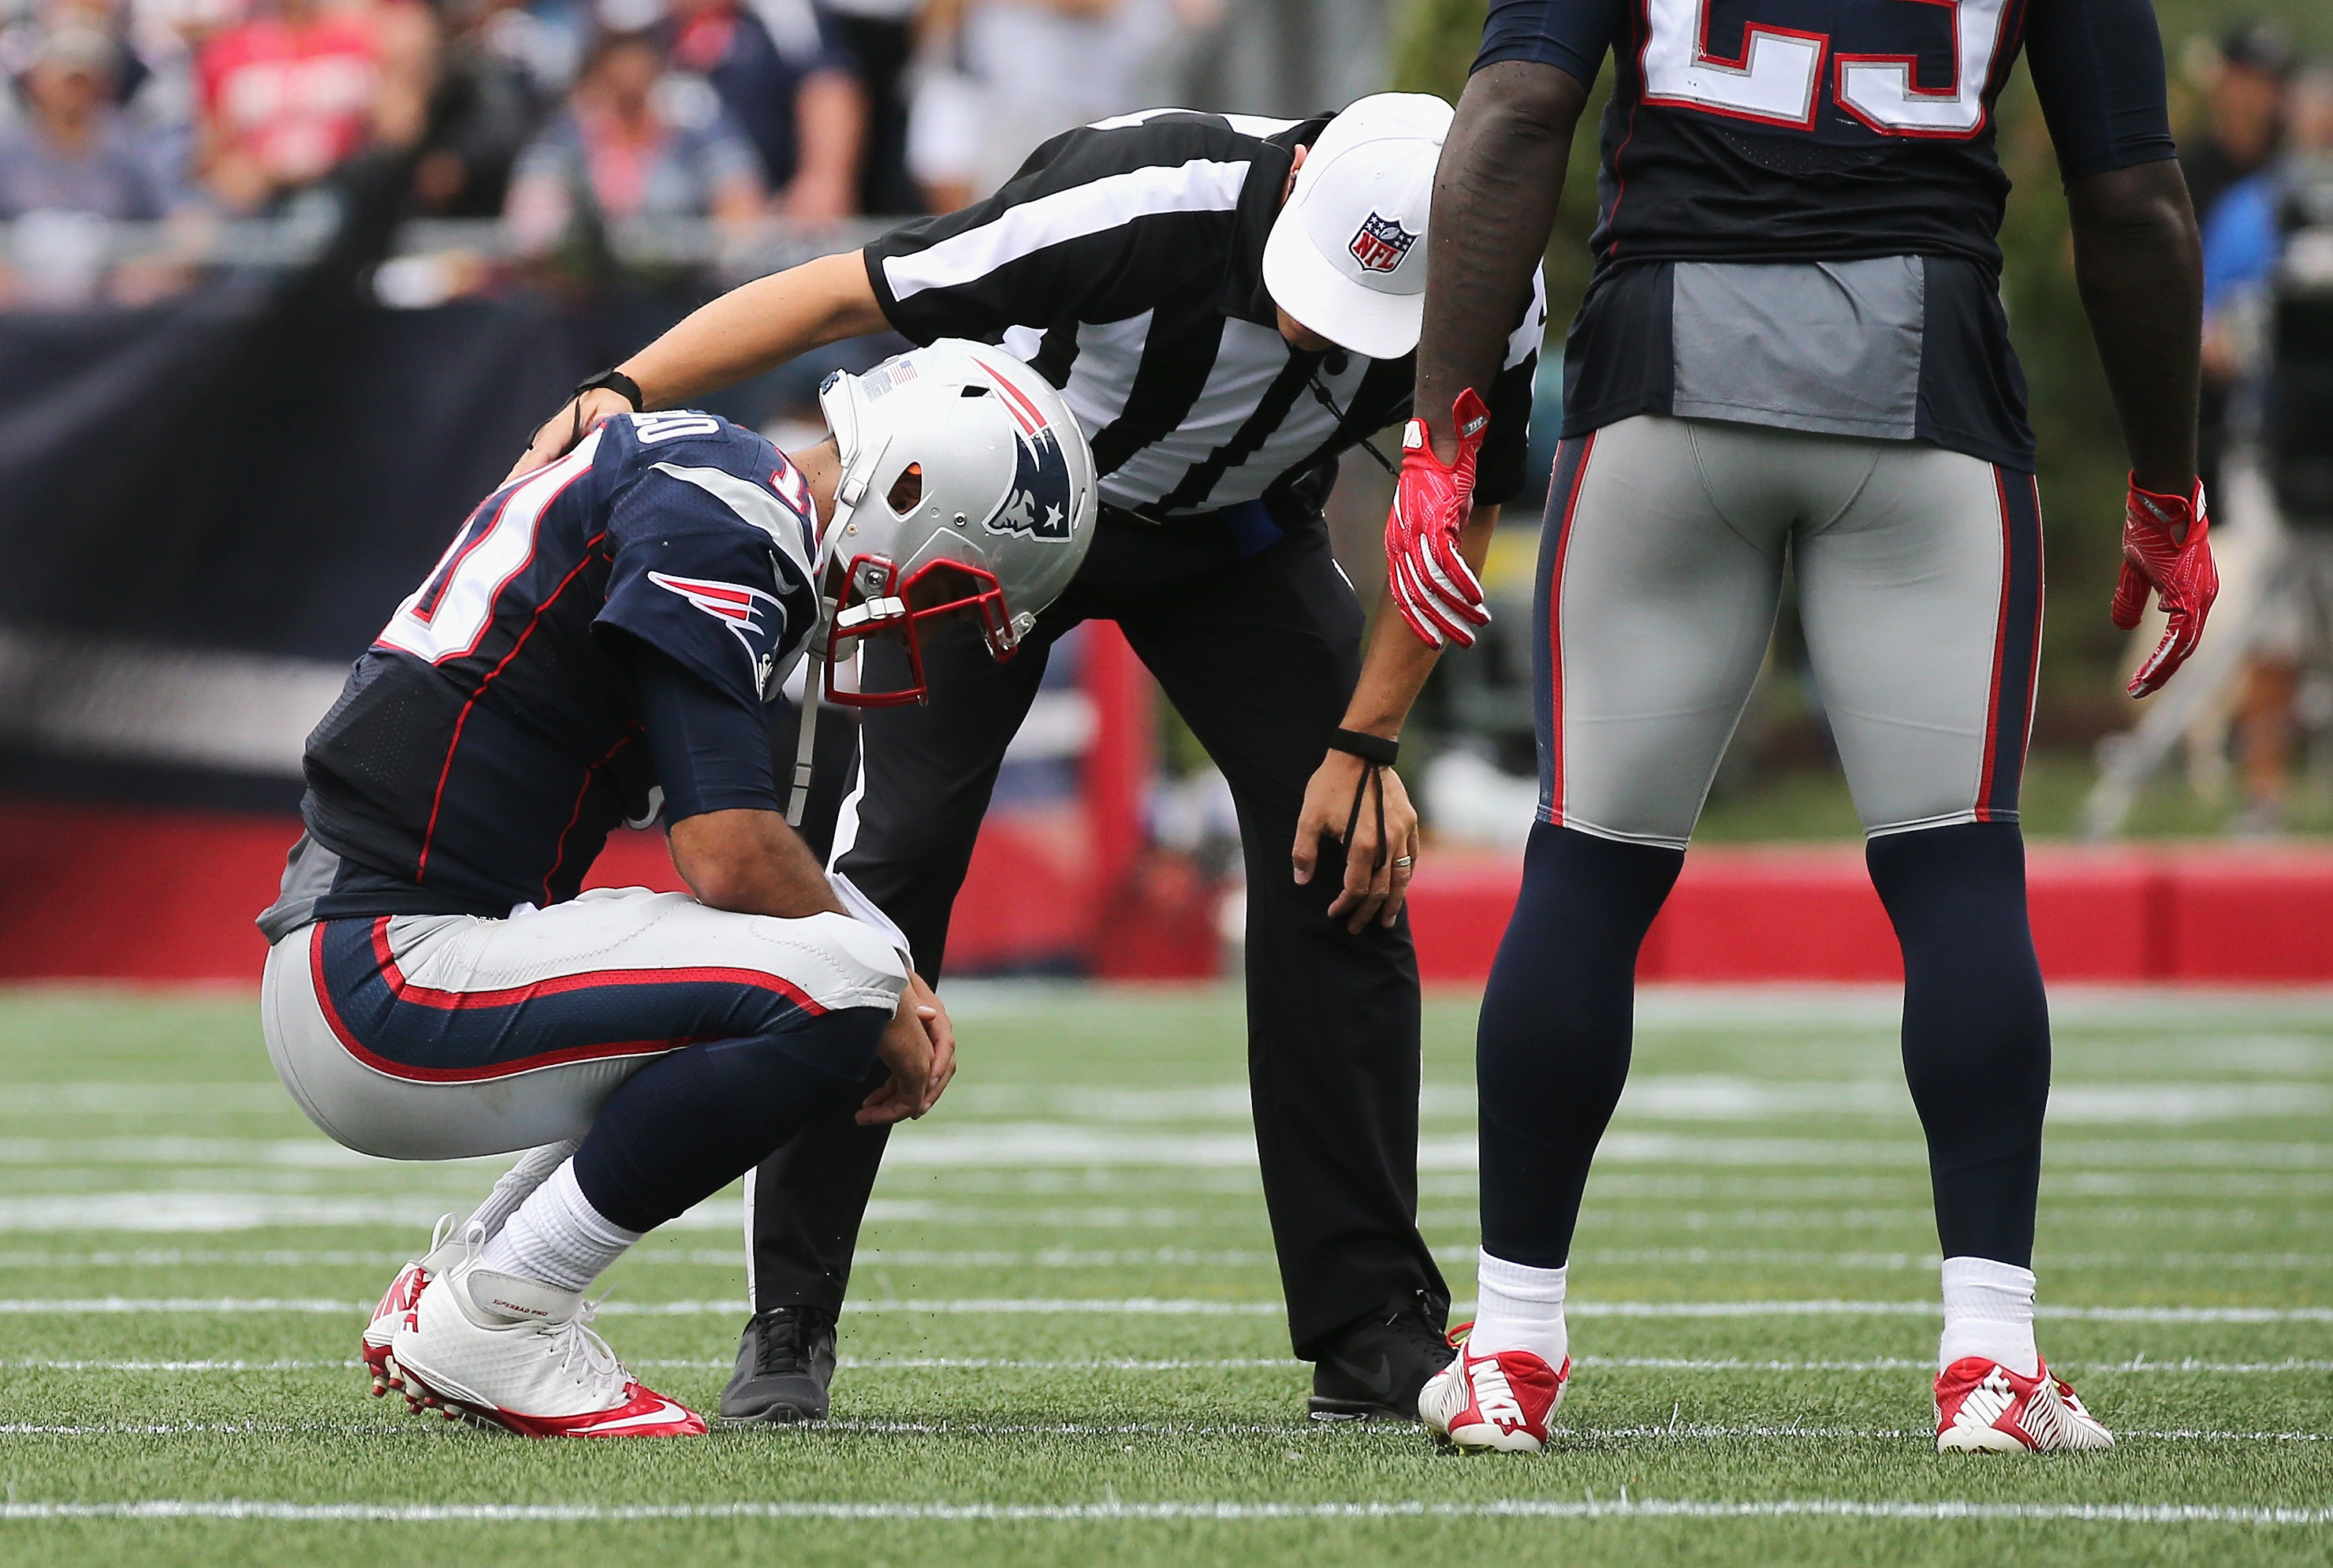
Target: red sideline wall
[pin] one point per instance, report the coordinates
(2197, 913)
(111, 893)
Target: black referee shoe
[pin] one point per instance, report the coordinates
(1374, 1369)
(784, 1362)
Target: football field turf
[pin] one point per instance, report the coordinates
(1066, 1345)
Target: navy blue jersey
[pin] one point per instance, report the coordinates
(497, 729)
(1830, 131)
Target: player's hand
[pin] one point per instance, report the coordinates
(1371, 891)
(919, 1047)
(1433, 586)
(563, 430)
(2166, 547)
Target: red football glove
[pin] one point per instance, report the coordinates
(2179, 569)
(1433, 586)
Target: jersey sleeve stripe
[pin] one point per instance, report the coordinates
(1201, 184)
(1531, 333)
(750, 502)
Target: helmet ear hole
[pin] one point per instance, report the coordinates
(906, 490)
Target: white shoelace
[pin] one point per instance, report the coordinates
(584, 1353)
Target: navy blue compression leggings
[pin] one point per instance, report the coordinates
(1552, 1049)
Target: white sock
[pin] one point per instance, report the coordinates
(1519, 1308)
(1988, 1314)
(516, 1186)
(557, 1239)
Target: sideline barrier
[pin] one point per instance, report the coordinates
(118, 893)
(2178, 912)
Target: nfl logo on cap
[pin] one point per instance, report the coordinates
(1381, 243)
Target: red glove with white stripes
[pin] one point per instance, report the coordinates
(1433, 586)
(2177, 567)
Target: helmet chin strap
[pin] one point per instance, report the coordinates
(846, 501)
(806, 728)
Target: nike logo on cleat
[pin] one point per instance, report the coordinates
(1494, 1398)
(665, 1411)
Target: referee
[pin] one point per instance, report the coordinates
(1228, 303)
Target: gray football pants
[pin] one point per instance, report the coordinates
(1919, 576)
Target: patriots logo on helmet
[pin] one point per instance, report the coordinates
(737, 607)
(1039, 505)
(1381, 243)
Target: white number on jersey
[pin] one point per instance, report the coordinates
(448, 615)
(1774, 79)
(652, 428)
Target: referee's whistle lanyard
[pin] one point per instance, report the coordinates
(1328, 402)
(1376, 754)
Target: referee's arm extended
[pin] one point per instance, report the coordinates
(743, 333)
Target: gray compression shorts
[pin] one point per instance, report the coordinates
(1919, 575)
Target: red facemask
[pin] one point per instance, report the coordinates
(883, 610)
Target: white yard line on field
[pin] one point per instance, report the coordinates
(1164, 1257)
(1225, 1512)
(811, 1431)
(1174, 1306)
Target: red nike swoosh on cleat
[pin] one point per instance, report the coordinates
(666, 1412)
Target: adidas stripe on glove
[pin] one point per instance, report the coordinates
(1433, 586)
(2176, 566)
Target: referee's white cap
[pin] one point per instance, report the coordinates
(1346, 255)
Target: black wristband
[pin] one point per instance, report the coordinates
(1369, 748)
(614, 381)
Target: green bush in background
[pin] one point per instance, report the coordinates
(2081, 457)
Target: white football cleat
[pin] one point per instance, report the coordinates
(396, 1302)
(500, 1351)
(1982, 1407)
(1503, 1401)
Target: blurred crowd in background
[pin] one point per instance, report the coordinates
(552, 114)
(631, 157)
(2261, 178)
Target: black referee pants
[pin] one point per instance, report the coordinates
(1260, 655)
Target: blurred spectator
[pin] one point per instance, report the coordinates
(622, 149)
(881, 36)
(788, 83)
(2246, 121)
(298, 87)
(2243, 243)
(71, 151)
(493, 99)
(2246, 115)
(1036, 68)
(164, 38)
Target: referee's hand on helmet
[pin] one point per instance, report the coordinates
(1377, 867)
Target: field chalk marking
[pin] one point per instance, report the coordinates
(1288, 1430)
(1136, 1513)
(2176, 1365)
(1169, 1306)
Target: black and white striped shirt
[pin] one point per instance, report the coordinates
(1125, 261)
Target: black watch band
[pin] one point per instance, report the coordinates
(1373, 749)
(614, 381)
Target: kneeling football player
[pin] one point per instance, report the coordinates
(598, 645)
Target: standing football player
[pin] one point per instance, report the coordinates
(1793, 348)
(598, 645)
(1228, 304)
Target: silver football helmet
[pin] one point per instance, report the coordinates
(966, 488)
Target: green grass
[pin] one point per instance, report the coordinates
(1767, 1154)
(1812, 803)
